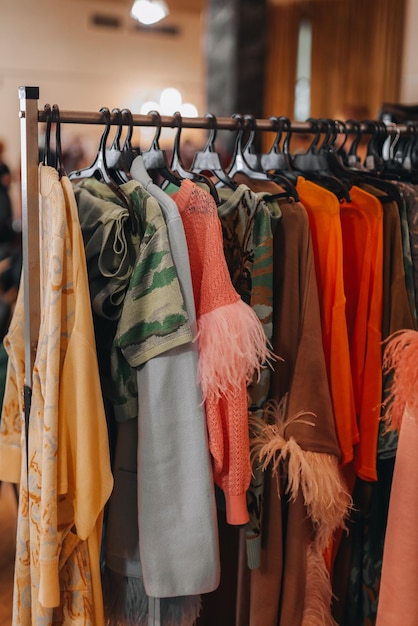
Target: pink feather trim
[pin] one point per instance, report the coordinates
(232, 347)
(400, 357)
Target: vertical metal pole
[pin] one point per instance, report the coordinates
(29, 97)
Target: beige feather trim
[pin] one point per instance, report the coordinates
(318, 592)
(316, 474)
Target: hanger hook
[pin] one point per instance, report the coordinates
(394, 143)
(371, 128)
(177, 121)
(240, 118)
(250, 120)
(316, 130)
(332, 132)
(127, 116)
(157, 122)
(240, 131)
(106, 121)
(407, 152)
(341, 129)
(116, 140)
(278, 129)
(103, 139)
(212, 132)
(374, 159)
(287, 126)
(352, 153)
(329, 127)
(323, 128)
(47, 140)
(56, 118)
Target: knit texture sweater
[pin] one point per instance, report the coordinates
(232, 347)
(248, 247)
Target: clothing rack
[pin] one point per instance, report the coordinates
(30, 117)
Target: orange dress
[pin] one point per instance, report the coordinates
(323, 209)
(362, 230)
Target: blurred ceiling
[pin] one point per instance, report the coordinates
(190, 6)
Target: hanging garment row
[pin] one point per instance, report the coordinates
(207, 378)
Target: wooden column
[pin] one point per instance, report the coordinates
(236, 41)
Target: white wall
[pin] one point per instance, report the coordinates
(51, 44)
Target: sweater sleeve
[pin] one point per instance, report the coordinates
(232, 347)
(227, 419)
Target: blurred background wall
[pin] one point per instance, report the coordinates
(229, 56)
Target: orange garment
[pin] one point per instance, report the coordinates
(362, 229)
(323, 209)
(232, 346)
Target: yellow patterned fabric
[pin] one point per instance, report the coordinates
(68, 479)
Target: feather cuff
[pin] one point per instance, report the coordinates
(317, 474)
(232, 348)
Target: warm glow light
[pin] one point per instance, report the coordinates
(149, 11)
(188, 110)
(148, 106)
(170, 100)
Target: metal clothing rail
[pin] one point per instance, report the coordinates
(30, 116)
(220, 123)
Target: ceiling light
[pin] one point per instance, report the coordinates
(149, 11)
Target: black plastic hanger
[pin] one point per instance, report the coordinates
(360, 175)
(328, 148)
(278, 159)
(409, 151)
(398, 164)
(178, 166)
(47, 156)
(314, 166)
(349, 153)
(114, 157)
(128, 151)
(413, 152)
(208, 160)
(267, 166)
(120, 159)
(155, 159)
(341, 149)
(99, 170)
(311, 160)
(400, 149)
(244, 159)
(374, 161)
(56, 118)
(397, 161)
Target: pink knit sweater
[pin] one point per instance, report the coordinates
(232, 346)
